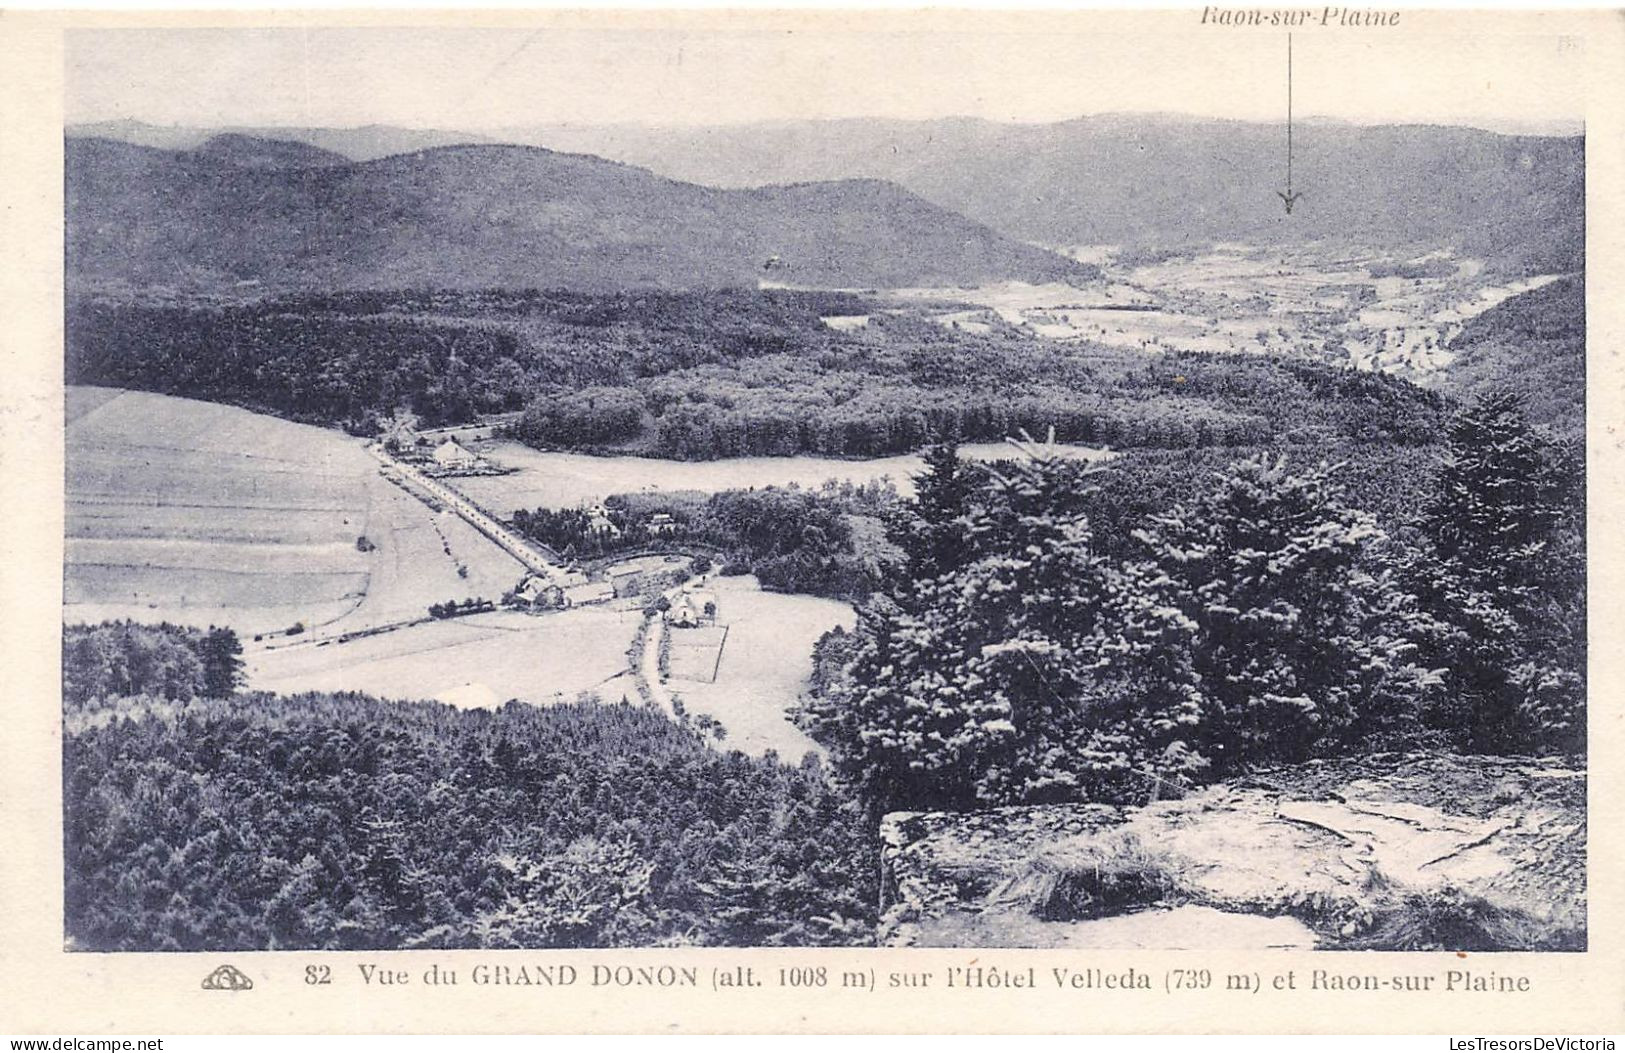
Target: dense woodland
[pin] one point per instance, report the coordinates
(345, 822)
(792, 539)
(704, 375)
(353, 359)
(171, 662)
(1018, 656)
(1533, 344)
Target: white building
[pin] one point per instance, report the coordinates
(598, 522)
(452, 454)
(693, 609)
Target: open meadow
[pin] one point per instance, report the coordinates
(481, 660)
(695, 654)
(549, 479)
(201, 513)
(765, 662)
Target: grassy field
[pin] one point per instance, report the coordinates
(566, 480)
(201, 513)
(696, 653)
(424, 557)
(765, 664)
(483, 659)
(205, 514)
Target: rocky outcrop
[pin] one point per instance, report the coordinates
(1393, 851)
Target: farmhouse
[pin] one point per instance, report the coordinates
(563, 589)
(453, 455)
(662, 523)
(534, 591)
(693, 609)
(598, 522)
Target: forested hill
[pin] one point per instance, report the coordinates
(1533, 344)
(251, 151)
(501, 216)
(1156, 179)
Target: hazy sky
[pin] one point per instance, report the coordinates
(474, 79)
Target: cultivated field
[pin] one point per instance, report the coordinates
(481, 660)
(200, 513)
(765, 664)
(205, 514)
(424, 557)
(567, 480)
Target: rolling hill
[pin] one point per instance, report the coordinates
(499, 216)
(249, 151)
(1148, 179)
(367, 142)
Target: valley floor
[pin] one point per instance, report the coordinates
(202, 514)
(1376, 311)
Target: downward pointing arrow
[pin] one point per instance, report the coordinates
(1287, 196)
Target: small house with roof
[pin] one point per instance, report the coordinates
(453, 455)
(692, 609)
(599, 523)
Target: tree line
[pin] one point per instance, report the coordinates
(792, 539)
(171, 662)
(706, 375)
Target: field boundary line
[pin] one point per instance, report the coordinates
(716, 665)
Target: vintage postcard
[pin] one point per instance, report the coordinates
(545, 521)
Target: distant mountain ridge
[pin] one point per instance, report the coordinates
(1114, 179)
(254, 152)
(364, 143)
(1162, 179)
(499, 216)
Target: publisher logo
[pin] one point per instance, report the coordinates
(228, 978)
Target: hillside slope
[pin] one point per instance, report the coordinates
(250, 151)
(1157, 179)
(503, 216)
(1534, 344)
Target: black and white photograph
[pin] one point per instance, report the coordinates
(708, 485)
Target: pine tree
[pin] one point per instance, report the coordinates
(1295, 641)
(221, 653)
(1037, 671)
(1493, 510)
(1501, 567)
(931, 530)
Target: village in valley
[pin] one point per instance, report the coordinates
(680, 637)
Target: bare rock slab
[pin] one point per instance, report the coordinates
(1396, 851)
